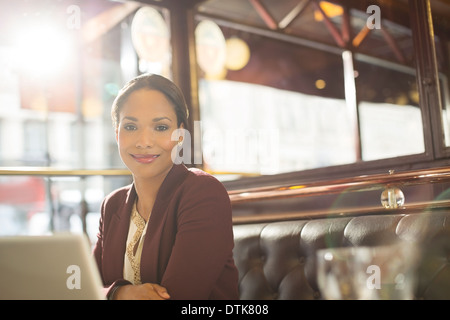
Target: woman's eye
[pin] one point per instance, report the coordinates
(129, 127)
(161, 128)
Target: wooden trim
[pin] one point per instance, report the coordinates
(184, 63)
(427, 74)
(309, 215)
(359, 183)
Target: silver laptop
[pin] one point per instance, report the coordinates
(54, 267)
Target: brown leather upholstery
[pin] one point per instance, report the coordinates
(276, 260)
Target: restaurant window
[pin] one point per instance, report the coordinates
(272, 115)
(302, 97)
(391, 123)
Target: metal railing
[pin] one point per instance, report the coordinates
(359, 183)
(52, 172)
(338, 186)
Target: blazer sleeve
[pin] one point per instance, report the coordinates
(98, 252)
(204, 241)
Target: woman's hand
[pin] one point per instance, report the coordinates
(146, 291)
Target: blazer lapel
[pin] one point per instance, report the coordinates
(153, 249)
(115, 243)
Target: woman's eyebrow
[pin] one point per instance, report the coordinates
(131, 118)
(154, 120)
(161, 118)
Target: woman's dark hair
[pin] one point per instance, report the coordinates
(152, 82)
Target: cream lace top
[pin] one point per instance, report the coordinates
(135, 241)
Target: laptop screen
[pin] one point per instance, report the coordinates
(54, 267)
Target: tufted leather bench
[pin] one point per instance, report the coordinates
(276, 260)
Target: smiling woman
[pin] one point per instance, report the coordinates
(174, 238)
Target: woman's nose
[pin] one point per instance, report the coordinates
(145, 139)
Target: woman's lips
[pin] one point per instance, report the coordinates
(145, 158)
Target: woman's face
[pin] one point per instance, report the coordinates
(146, 122)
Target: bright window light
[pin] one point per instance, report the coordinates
(42, 50)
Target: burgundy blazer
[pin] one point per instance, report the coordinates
(189, 240)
